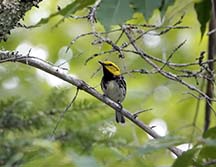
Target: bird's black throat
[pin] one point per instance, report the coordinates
(108, 76)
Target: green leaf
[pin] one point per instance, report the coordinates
(51, 150)
(146, 7)
(207, 152)
(164, 6)
(186, 159)
(75, 6)
(211, 133)
(69, 9)
(209, 142)
(203, 10)
(113, 12)
(160, 143)
(81, 161)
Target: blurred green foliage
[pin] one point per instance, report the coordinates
(31, 102)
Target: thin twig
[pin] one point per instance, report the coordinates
(196, 113)
(173, 52)
(98, 54)
(63, 112)
(92, 12)
(211, 32)
(140, 112)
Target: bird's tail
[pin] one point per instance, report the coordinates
(119, 117)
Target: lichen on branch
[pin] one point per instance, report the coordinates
(11, 12)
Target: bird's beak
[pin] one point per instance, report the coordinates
(100, 62)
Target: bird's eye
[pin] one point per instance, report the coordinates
(108, 64)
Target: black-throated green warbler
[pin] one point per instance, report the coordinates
(113, 85)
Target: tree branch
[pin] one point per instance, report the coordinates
(6, 56)
(168, 75)
(211, 56)
(11, 12)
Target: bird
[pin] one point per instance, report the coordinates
(114, 86)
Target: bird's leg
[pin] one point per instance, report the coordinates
(121, 107)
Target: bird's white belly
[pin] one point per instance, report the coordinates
(114, 92)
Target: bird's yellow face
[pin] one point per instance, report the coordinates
(111, 67)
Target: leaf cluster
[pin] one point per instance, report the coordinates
(203, 154)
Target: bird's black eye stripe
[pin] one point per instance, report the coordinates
(111, 65)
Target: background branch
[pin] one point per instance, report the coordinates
(211, 56)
